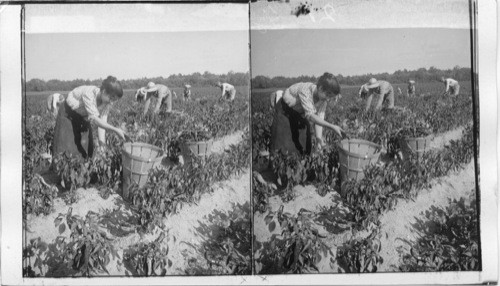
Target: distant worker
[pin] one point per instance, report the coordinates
(411, 88)
(275, 97)
(228, 91)
(384, 91)
(400, 92)
(161, 92)
(187, 92)
(54, 101)
(452, 86)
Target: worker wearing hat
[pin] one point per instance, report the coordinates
(411, 87)
(187, 92)
(384, 91)
(159, 91)
(452, 86)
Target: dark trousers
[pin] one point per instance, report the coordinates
(73, 134)
(290, 131)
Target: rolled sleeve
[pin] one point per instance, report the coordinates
(306, 101)
(90, 104)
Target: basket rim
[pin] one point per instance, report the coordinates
(428, 137)
(137, 158)
(199, 142)
(360, 141)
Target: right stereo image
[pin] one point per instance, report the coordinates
(364, 135)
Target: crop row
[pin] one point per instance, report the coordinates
(415, 117)
(300, 247)
(83, 248)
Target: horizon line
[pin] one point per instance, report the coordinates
(364, 74)
(100, 78)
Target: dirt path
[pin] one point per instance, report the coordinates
(399, 223)
(439, 141)
(223, 143)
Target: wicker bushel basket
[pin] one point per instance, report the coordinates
(355, 155)
(201, 149)
(137, 160)
(419, 145)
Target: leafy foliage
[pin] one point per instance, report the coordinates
(379, 190)
(38, 196)
(149, 259)
(319, 168)
(447, 242)
(383, 184)
(89, 249)
(228, 250)
(360, 255)
(300, 247)
(261, 191)
(33, 252)
(168, 189)
(104, 170)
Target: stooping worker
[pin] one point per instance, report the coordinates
(54, 101)
(384, 91)
(296, 111)
(411, 88)
(187, 92)
(83, 106)
(452, 86)
(228, 91)
(400, 92)
(275, 97)
(161, 92)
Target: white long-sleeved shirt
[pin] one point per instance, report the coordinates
(449, 82)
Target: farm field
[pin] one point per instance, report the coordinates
(409, 212)
(192, 217)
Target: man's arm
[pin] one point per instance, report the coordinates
(146, 106)
(223, 90)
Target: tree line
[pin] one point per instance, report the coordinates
(175, 80)
(399, 76)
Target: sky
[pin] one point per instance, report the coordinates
(90, 41)
(134, 55)
(361, 14)
(295, 52)
(350, 37)
(354, 37)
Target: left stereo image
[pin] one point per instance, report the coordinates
(136, 140)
